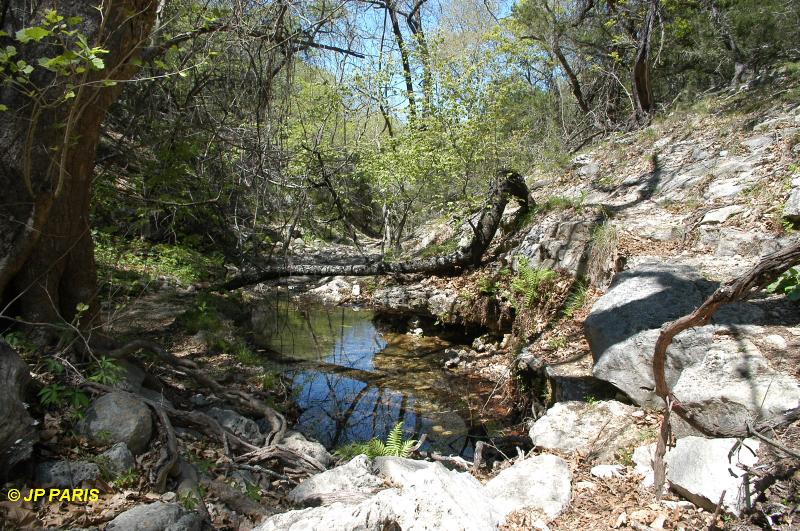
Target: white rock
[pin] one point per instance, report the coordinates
(775, 341)
(541, 482)
(721, 215)
(699, 470)
(607, 471)
(351, 482)
(601, 428)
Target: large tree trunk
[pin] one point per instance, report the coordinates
(642, 83)
(509, 184)
(47, 154)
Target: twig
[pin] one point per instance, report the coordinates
(712, 522)
(771, 442)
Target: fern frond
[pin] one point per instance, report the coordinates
(394, 441)
(405, 449)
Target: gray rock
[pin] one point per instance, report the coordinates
(119, 417)
(241, 426)
(17, 431)
(733, 242)
(599, 429)
(157, 516)
(759, 142)
(65, 474)
(721, 215)
(296, 441)
(703, 364)
(132, 377)
(791, 210)
(155, 396)
(118, 458)
(542, 482)
(351, 482)
(699, 470)
(590, 171)
(623, 325)
(558, 245)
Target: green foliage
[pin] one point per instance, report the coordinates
(556, 343)
(530, 282)
(107, 372)
(123, 261)
(202, 316)
(127, 480)
(487, 286)
(395, 445)
(560, 202)
(52, 395)
(440, 249)
(788, 284)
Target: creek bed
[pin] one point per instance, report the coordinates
(352, 381)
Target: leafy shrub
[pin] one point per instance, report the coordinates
(395, 446)
(788, 284)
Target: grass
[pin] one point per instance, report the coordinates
(561, 202)
(576, 299)
(439, 249)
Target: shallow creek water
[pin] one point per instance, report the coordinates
(353, 382)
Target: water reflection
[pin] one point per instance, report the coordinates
(353, 382)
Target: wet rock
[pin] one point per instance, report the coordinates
(157, 516)
(296, 441)
(119, 417)
(699, 469)
(65, 474)
(118, 458)
(599, 429)
(542, 482)
(351, 482)
(239, 425)
(17, 432)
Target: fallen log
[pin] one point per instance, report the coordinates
(508, 184)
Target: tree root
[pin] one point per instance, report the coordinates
(241, 399)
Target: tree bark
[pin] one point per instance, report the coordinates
(47, 154)
(509, 184)
(398, 36)
(642, 84)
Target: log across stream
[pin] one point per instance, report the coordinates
(353, 382)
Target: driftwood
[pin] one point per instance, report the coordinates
(765, 272)
(509, 184)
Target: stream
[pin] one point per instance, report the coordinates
(352, 381)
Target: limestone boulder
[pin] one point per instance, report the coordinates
(542, 482)
(701, 469)
(598, 430)
(17, 429)
(350, 483)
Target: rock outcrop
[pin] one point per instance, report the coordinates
(17, 432)
(720, 361)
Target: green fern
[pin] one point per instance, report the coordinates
(530, 281)
(394, 446)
